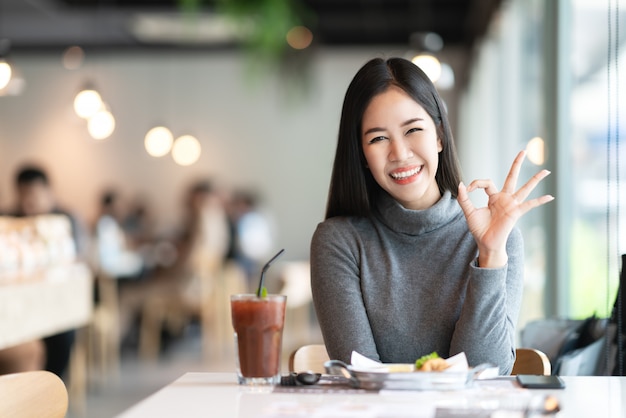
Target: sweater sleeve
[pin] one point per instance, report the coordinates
(485, 330)
(336, 289)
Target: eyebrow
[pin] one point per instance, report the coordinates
(408, 122)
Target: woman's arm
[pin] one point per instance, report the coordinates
(494, 290)
(336, 288)
(485, 330)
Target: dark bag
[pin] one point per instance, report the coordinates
(617, 354)
(550, 336)
(574, 347)
(588, 347)
(585, 354)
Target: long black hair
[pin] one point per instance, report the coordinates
(353, 189)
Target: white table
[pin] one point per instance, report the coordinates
(218, 395)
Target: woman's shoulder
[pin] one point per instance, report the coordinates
(341, 232)
(342, 226)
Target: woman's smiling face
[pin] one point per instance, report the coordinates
(401, 148)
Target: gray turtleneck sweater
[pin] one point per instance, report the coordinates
(405, 283)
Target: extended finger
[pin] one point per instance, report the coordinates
(533, 203)
(510, 183)
(530, 185)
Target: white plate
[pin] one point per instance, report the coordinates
(377, 380)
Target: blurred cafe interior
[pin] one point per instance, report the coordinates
(145, 143)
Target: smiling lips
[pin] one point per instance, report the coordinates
(403, 175)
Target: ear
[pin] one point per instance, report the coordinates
(439, 145)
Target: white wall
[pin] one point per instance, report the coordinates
(252, 134)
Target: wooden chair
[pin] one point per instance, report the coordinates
(309, 358)
(313, 356)
(296, 285)
(32, 394)
(205, 296)
(531, 361)
(103, 333)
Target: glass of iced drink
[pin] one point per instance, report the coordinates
(258, 323)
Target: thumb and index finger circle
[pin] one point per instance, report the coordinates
(464, 201)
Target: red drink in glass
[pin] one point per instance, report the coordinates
(258, 323)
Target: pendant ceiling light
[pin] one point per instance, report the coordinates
(5, 73)
(87, 103)
(186, 150)
(101, 125)
(429, 64)
(73, 57)
(158, 141)
(5, 68)
(424, 48)
(536, 151)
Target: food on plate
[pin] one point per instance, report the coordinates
(434, 365)
(431, 363)
(420, 361)
(400, 367)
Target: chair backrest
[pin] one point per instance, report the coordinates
(309, 358)
(32, 394)
(531, 361)
(313, 356)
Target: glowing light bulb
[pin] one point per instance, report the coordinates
(87, 103)
(73, 57)
(101, 125)
(536, 151)
(186, 150)
(446, 80)
(158, 141)
(5, 74)
(429, 64)
(299, 37)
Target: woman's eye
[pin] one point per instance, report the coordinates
(377, 139)
(410, 131)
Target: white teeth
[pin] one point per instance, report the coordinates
(405, 174)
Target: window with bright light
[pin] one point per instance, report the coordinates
(597, 161)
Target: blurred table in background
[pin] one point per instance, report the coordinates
(44, 302)
(45, 289)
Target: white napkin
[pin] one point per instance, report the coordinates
(458, 363)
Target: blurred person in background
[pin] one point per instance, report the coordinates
(251, 235)
(200, 249)
(115, 257)
(138, 223)
(35, 197)
(205, 233)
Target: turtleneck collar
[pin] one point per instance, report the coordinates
(417, 222)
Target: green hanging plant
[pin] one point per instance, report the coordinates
(190, 6)
(266, 23)
(263, 25)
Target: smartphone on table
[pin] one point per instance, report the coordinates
(531, 381)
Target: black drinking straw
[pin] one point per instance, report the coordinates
(265, 267)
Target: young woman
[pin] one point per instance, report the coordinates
(404, 264)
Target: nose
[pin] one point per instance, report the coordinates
(399, 150)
